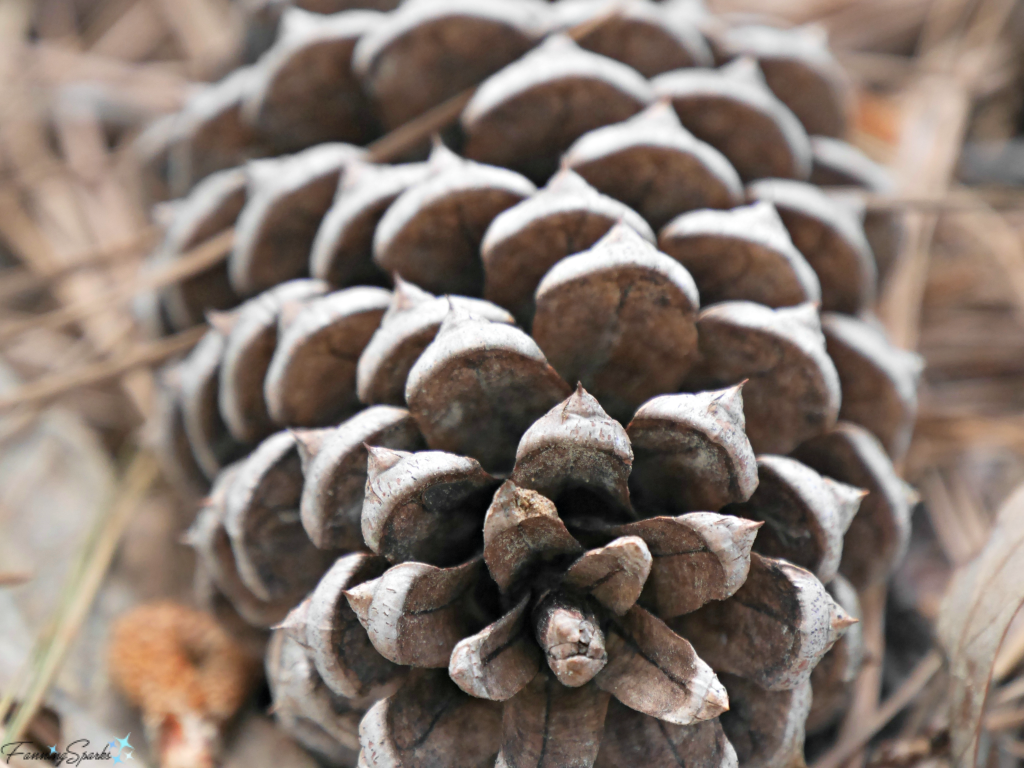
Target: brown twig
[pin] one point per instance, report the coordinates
(912, 686)
(868, 685)
(963, 200)
(203, 257)
(407, 137)
(20, 281)
(14, 578)
(42, 390)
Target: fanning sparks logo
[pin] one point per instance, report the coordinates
(78, 752)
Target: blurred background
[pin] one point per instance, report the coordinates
(89, 521)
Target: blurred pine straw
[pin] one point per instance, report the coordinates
(80, 77)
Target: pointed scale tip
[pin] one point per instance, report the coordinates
(380, 459)
(745, 531)
(660, 113)
(911, 494)
(716, 703)
(730, 400)
(406, 295)
(221, 321)
(807, 315)
(296, 618)
(620, 233)
(745, 69)
(847, 494)
(441, 158)
(841, 622)
(455, 318)
(360, 598)
(309, 442)
(567, 180)
(582, 404)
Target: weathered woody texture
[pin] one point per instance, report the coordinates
(571, 447)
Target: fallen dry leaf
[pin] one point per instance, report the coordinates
(976, 612)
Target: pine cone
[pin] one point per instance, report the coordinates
(471, 560)
(582, 547)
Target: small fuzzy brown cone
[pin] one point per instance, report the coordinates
(648, 36)
(613, 575)
(187, 676)
(634, 739)
(428, 51)
(570, 637)
(878, 536)
(879, 380)
(791, 390)
(522, 243)
(801, 71)
(275, 558)
(550, 726)
(432, 232)
(744, 254)
(498, 661)
(839, 164)
(211, 207)
(211, 443)
(288, 197)
(655, 671)
(334, 470)
(691, 452)
(424, 506)
(806, 515)
(527, 115)
(708, 552)
(478, 387)
(773, 630)
(620, 319)
(428, 723)
(311, 380)
(247, 356)
(577, 450)
(305, 92)
(522, 530)
(409, 326)
(305, 708)
(733, 110)
(831, 239)
(209, 538)
(655, 166)
(342, 252)
(415, 613)
(766, 728)
(335, 640)
(832, 680)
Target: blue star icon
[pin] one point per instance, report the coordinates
(117, 760)
(124, 742)
(53, 750)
